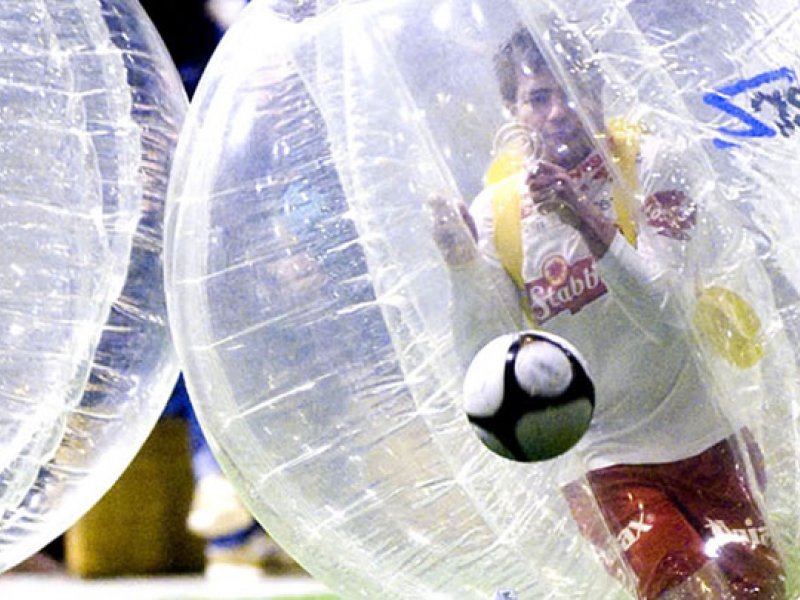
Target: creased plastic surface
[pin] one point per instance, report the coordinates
(312, 309)
(90, 106)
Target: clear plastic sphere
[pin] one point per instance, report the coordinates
(314, 311)
(90, 106)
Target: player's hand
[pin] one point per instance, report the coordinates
(453, 230)
(553, 190)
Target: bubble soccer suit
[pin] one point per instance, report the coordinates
(90, 106)
(327, 365)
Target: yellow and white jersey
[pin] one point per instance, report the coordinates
(653, 403)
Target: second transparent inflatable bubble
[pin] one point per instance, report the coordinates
(313, 293)
(90, 105)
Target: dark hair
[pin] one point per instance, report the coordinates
(518, 55)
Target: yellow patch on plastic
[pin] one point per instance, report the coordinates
(504, 165)
(506, 207)
(730, 325)
(625, 137)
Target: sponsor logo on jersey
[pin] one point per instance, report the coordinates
(591, 168)
(671, 214)
(564, 286)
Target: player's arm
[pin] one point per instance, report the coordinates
(485, 302)
(553, 190)
(644, 290)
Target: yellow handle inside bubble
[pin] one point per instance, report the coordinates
(625, 137)
(730, 325)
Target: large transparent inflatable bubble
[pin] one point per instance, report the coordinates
(90, 106)
(328, 288)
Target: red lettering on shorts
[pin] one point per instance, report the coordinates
(751, 533)
(632, 532)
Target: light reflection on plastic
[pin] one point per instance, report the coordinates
(391, 23)
(477, 14)
(442, 18)
(719, 541)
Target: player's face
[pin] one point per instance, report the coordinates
(543, 106)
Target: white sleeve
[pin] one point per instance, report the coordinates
(485, 301)
(644, 290)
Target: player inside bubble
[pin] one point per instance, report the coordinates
(666, 468)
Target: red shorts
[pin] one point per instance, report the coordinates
(663, 523)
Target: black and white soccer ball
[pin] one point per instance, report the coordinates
(529, 396)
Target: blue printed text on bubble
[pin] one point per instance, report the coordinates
(755, 127)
